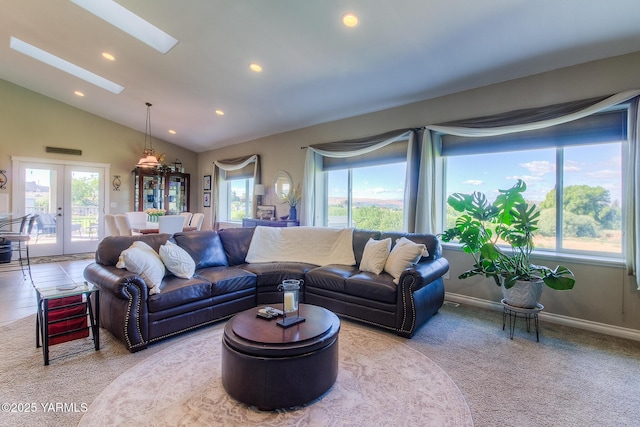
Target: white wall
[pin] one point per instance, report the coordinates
(29, 122)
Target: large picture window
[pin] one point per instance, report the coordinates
(575, 180)
(369, 198)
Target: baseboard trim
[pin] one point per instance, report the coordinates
(588, 325)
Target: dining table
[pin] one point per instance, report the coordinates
(156, 229)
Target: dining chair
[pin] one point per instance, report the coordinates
(111, 225)
(171, 224)
(137, 219)
(22, 238)
(196, 220)
(187, 218)
(123, 225)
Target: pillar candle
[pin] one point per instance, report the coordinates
(288, 301)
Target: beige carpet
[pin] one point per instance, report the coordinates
(381, 381)
(570, 378)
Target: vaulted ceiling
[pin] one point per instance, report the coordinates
(314, 68)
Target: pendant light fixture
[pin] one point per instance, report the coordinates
(148, 159)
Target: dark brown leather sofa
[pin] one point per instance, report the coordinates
(224, 284)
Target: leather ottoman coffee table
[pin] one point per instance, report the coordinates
(270, 367)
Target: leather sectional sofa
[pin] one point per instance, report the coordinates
(225, 284)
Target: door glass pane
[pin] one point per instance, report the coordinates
(41, 199)
(85, 195)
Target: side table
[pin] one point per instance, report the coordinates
(525, 313)
(56, 304)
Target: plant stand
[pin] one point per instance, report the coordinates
(525, 313)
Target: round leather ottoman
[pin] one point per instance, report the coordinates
(270, 367)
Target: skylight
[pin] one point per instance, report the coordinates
(130, 23)
(63, 65)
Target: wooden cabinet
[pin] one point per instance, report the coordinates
(251, 222)
(154, 189)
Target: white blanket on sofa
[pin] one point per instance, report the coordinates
(313, 245)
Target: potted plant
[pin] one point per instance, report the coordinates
(512, 221)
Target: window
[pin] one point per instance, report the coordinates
(239, 200)
(586, 166)
(369, 197)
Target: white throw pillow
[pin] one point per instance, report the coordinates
(375, 255)
(177, 260)
(141, 259)
(404, 254)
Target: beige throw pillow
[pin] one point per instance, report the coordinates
(375, 255)
(404, 254)
(177, 260)
(141, 259)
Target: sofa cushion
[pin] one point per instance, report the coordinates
(330, 277)
(177, 260)
(227, 279)
(273, 273)
(236, 243)
(205, 247)
(177, 291)
(141, 259)
(377, 287)
(404, 254)
(434, 249)
(375, 255)
(360, 239)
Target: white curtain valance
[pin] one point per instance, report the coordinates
(237, 163)
(359, 147)
(494, 128)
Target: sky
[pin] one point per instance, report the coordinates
(593, 165)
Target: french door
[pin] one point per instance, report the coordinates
(69, 199)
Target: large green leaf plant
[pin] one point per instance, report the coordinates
(509, 219)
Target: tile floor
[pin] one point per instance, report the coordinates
(18, 297)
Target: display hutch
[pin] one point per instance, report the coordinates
(161, 189)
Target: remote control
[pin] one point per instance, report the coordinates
(266, 314)
(273, 311)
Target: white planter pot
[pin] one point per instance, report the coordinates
(524, 294)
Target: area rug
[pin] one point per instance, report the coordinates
(381, 381)
(62, 258)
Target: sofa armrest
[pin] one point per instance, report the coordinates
(123, 303)
(116, 281)
(424, 273)
(420, 295)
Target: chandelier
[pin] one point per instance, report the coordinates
(148, 159)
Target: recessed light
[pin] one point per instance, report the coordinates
(108, 56)
(220, 112)
(172, 132)
(66, 66)
(350, 20)
(255, 67)
(78, 93)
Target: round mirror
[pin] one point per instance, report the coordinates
(282, 183)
